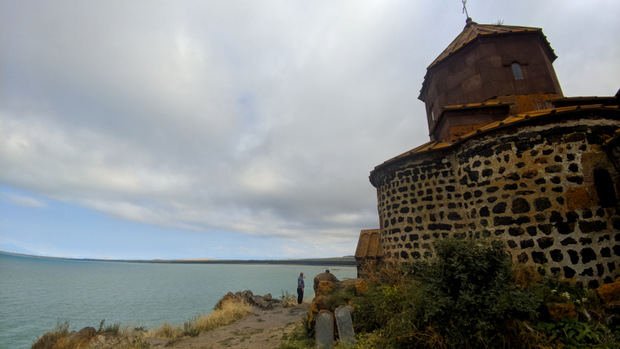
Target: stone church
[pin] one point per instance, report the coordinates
(509, 158)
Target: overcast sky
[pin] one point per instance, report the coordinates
(229, 128)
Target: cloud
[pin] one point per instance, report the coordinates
(24, 201)
(260, 118)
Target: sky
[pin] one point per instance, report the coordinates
(233, 129)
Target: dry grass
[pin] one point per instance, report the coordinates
(112, 336)
(230, 312)
(130, 337)
(165, 330)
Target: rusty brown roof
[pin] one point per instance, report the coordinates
(507, 122)
(615, 139)
(490, 103)
(474, 30)
(369, 244)
(486, 104)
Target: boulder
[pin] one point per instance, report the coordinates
(229, 297)
(82, 337)
(259, 301)
(266, 302)
(558, 311)
(324, 277)
(73, 339)
(107, 341)
(361, 286)
(319, 303)
(324, 288)
(47, 341)
(610, 294)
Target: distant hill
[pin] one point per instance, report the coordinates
(345, 261)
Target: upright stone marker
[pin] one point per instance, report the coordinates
(325, 330)
(345, 325)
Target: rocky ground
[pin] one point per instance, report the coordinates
(263, 329)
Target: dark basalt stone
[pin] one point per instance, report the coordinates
(541, 204)
(587, 255)
(520, 205)
(545, 242)
(553, 169)
(556, 255)
(527, 243)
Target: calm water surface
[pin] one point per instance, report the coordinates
(37, 293)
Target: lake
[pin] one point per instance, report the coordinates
(37, 293)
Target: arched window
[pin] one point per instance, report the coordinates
(431, 113)
(516, 71)
(605, 188)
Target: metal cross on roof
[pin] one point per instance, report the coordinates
(465, 8)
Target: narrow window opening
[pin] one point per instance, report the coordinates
(605, 188)
(516, 71)
(432, 114)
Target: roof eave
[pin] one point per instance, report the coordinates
(510, 121)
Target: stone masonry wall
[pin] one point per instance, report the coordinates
(532, 187)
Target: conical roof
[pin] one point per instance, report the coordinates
(474, 30)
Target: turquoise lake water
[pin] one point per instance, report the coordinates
(37, 293)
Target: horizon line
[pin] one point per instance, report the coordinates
(343, 260)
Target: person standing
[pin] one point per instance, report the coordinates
(300, 288)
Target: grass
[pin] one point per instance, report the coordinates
(131, 337)
(288, 298)
(60, 338)
(298, 338)
(230, 312)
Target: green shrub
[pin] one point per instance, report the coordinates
(340, 297)
(461, 298)
(469, 296)
(575, 333)
(466, 292)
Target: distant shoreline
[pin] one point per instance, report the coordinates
(341, 261)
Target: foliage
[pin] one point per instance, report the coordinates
(110, 329)
(466, 292)
(340, 297)
(298, 338)
(288, 297)
(580, 334)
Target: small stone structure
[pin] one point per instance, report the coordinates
(509, 158)
(369, 249)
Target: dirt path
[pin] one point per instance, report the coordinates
(263, 329)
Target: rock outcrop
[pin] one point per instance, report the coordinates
(87, 337)
(266, 302)
(327, 276)
(610, 294)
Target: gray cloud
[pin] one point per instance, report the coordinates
(243, 116)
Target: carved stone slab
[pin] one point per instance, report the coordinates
(325, 330)
(345, 325)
